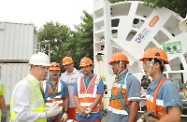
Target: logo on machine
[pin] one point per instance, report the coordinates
(153, 21)
(142, 35)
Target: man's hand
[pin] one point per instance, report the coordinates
(88, 110)
(4, 116)
(53, 110)
(82, 112)
(64, 117)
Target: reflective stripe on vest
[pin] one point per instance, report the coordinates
(87, 96)
(36, 100)
(57, 94)
(156, 105)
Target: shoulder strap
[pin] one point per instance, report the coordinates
(51, 95)
(156, 94)
(121, 95)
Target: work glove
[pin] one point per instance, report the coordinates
(64, 117)
(4, 116)
(88, 110)
(53, 110)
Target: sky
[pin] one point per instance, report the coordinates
(38, 12)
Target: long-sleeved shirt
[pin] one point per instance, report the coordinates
(22, 97)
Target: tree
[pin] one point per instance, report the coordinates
(53, 35)
(114, 1)
(80, 43)
(65, 42)
(178, 6)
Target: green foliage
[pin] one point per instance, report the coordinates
(80, 43)
(178, 6)
(65, 42)
(114, 1)
(51, 37)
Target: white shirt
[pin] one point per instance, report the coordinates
(22, 96)
(70, 80)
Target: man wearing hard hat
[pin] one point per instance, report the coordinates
(70, 76)
(55, 90)
(88, 93)
(125, 92)
(27, 104)
(163, 101)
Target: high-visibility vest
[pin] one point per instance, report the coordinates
(36, 100)
(86, 96)
(119, 103)
(0, 109)
(154, 104)
(51, 96)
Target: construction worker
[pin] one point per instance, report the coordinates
(125, 92)
(56, 90)
(70, 76)
(162, 98)
(3, 113)
(88, 93)
(27, 103)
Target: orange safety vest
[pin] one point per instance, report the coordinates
(157, 106)
(87, 96)
(52, 96)
(116, 104)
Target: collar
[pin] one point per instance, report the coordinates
(49, 81)
(89, 77)
(31, 76)
(74, 71)
(121, 75)
(155, 83)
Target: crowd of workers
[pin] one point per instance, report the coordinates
(76, 95)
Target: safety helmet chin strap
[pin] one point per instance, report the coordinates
(118, 73)
(150, 67)
(145, 82)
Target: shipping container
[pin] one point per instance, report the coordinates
(11, 73)
(18, 41)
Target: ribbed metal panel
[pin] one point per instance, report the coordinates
(17, 41)
(11, 73)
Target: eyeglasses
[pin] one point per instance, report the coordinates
(146, 63)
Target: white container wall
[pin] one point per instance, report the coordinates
(11, 73)
(17, 41)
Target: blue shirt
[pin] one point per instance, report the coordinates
(100, 90)
(63, 92)
(168, 92)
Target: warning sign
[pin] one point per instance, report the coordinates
(172, 48)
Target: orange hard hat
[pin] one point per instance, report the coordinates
(67, 60)
(55, 66)
(155, 53)
(85, 62)
(119, 57)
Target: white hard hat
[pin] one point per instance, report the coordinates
(39, 58)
